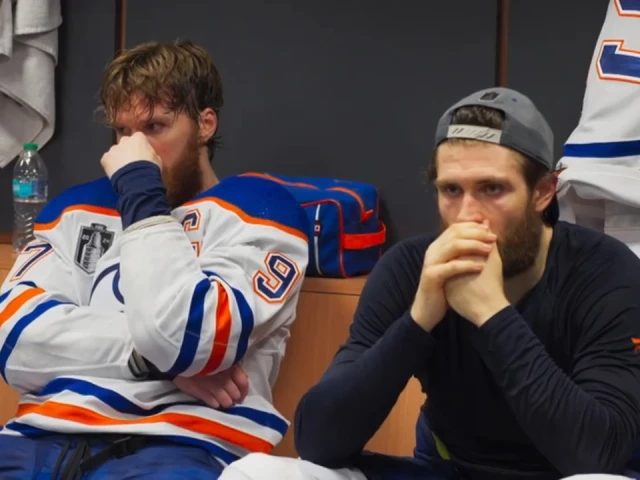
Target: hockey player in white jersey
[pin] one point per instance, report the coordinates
(599, 183)
(145, 325)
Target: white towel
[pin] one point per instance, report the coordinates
(28, 57)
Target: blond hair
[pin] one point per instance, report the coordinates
(180, 76)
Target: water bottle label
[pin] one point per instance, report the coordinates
(29, 189)
(22, 189)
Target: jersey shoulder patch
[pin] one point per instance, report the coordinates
(92, 197)
(81, 223)
(259, 201)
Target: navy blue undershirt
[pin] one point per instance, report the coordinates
(141, 193)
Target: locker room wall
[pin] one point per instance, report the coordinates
(349, 89)
(324, 87)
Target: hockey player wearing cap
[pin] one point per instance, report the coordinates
(523, 330)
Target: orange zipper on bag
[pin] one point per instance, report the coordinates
(364, 215)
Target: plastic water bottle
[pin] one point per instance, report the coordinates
(30, 192)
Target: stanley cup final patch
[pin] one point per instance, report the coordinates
(93, 242)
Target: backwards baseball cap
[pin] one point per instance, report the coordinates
(524, 129)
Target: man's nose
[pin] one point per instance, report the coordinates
(470, 210)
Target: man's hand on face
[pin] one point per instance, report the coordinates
(478, 296)
(128, 150)
(461, 249)
(222, 390)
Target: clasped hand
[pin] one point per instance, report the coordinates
(479, 295)
(462, 270)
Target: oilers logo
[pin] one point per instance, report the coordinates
(93, 242)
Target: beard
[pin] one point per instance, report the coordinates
(519, 245)
(184, 180)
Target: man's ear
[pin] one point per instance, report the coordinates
(545, 191)
(207, 125)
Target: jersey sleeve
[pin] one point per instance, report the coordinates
(601, 156)
(44, 328)
(193, 314)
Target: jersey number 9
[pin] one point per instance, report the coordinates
(281, 274)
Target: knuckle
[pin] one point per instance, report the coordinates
(431, 274)
(457, 244)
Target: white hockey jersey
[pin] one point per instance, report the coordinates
(600, 185)
(216, 284)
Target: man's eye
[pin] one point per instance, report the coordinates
(154, 127)
(451, 190)
(493, 189)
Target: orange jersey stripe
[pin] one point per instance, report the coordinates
(192, 423)
(223, 332)
(84, 208)
(249, 219)
(17, 303)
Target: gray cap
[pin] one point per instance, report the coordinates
(524, 129)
